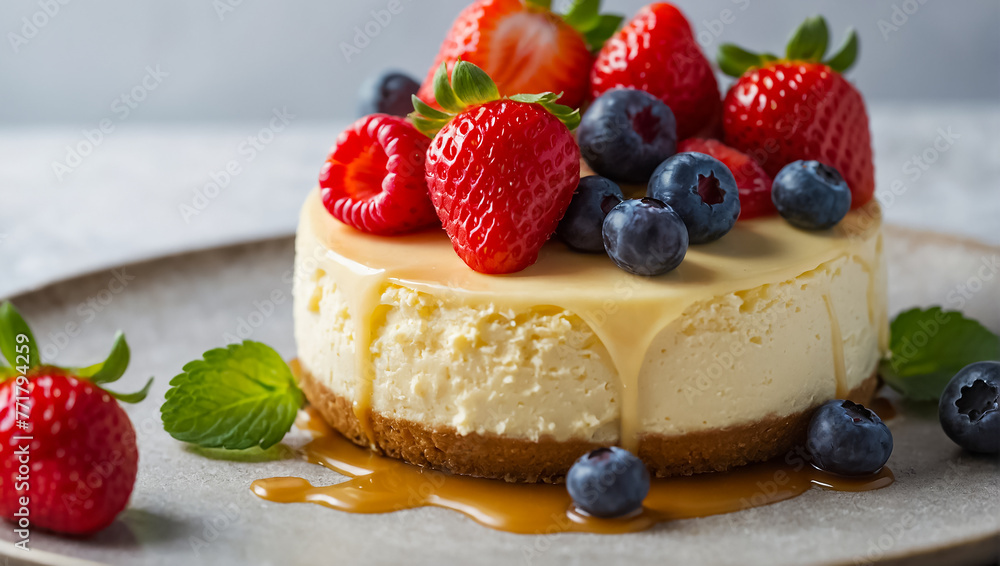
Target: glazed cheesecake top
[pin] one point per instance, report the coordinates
(625, 311)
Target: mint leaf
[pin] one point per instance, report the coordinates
(928, 347)
(234, 398)
(18, 352)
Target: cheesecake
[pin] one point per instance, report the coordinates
(720, 363)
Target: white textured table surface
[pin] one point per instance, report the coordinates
(937, 168)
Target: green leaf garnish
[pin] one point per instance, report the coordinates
(19, 352)
(928, 347)
(234, 398)
(470, 86)
(846, 54)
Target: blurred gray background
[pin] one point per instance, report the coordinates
(217, 114)
(225, 60)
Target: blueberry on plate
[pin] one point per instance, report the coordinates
(847, 439)
(702, 190)
(811, 195)
(969, 408)
(645, 237)
(626, 133)
(608, 482)
(388, 92)
(581, 226)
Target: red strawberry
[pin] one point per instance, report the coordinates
(501, 172)
(657, 52)
(374, 177)
(526, 47)
(70, 451)
(780, 111)
(754, 183)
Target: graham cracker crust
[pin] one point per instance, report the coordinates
(518, 460)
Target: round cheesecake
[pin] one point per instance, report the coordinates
(720, 363)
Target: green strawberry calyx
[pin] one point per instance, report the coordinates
(586, 18)
(22, 357)
(808, 44)
(470, 86)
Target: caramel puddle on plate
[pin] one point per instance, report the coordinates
(380, 485)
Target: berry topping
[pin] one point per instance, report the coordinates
(608, 482)
(626, 133)
(526, 47)
(800, 108)
(77, 441)
(969, 408)
(702, 190)
(581, 226)
(374, 177)
(811, 195)
(645, 237)
(387, 93)
(752, 181)
(847, 439)
(657, 52)
(501, 172)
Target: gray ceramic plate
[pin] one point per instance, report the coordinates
(189, 508)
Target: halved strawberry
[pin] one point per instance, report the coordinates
(525, 47)
(800, 108)
(501, 172)
(753, 182)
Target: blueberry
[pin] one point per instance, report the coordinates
(847, 439)
(811, 195)
(388, 92)
(702, 190)
(969, 408)
(626, 133)
(645, 237)
(608, 482)
(581, 226)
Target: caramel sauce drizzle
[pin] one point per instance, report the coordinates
(378, 484)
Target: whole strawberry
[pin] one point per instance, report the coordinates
(70, 457)
(501, 172)
(800, 108)
(526, 47)
(657, 52)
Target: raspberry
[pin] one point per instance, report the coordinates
(374, 177)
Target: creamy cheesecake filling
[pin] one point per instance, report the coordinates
(768, 321)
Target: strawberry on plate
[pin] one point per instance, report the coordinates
(501, 171)
(71, 457)
(525, 47)
(657, 52)
(753, 182)
(800, 107)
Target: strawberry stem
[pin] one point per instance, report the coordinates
(471, 86)
(808, 43)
